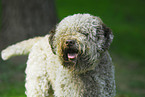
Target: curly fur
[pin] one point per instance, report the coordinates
(82, 68)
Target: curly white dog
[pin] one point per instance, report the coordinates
(73, 61)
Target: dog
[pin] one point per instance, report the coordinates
(71, 61)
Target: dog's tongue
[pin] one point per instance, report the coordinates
(72, 55)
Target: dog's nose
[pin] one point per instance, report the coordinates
(70, 42)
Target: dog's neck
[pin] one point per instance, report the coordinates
(93, 82)
(99, 76)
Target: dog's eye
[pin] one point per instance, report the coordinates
(100, 32)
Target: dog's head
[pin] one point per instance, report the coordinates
(79, 40)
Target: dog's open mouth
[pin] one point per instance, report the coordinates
(70, 54)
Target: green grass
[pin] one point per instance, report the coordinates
(129, 77)
(12, 89)
(126, 19)
(12, 80)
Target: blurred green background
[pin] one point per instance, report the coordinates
(126, 18)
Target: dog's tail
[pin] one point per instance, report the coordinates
(21, 48)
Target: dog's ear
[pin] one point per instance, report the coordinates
(51, 39)
(108, 36)
(104, 38)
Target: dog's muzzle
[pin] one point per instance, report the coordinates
(70, 51)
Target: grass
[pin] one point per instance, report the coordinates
(12, 80)
(12, 89)
(129, 77)
(126, 19)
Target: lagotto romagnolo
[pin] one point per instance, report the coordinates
(71, 61)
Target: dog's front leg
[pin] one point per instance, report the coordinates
(36, 75)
